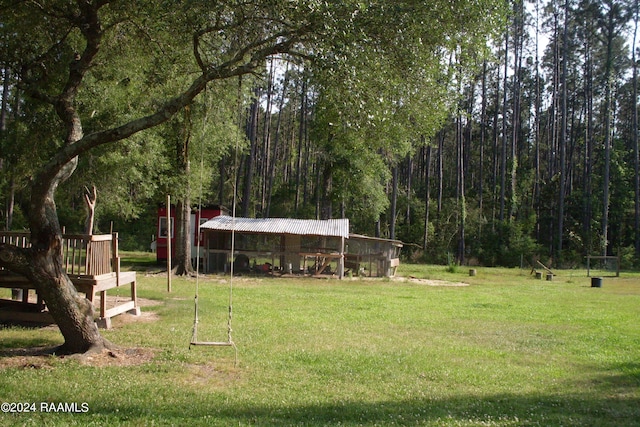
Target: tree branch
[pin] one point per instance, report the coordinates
(276, 44)
(89, 24)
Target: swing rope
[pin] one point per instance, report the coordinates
(194, 338)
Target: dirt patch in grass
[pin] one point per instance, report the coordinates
(119, 357)
(145, 314)
(428, 282)
(43, 357)
(126, 318)
(211, 375)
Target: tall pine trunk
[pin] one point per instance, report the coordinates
(4, 111)
(265, 151)
(483, 125)
(301, 139)
(252, 136)
(588, 156)
(427, 197)
(563, 133)
(276, 143)
(518, 39)
(394, 202)
(535, 200)
(503, 155)
(606, 175)
(460, 197)
(636, 148)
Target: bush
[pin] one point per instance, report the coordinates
(507, 245)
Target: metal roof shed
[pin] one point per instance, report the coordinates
(303, 227)
(287, 240)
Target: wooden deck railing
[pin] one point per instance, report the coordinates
(91, 262)
(82, 254)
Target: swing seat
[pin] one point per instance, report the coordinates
(214, 343)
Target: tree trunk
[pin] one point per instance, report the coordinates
(440, 159)
(518, 35)
(72, 312)
(427, 197)
(318, 192)
(221, 181)
(326, 207)
(42, 265)
(4, 110)
(588, 156)
(503, 155)
(183, 265)
(11, 201)
(301, 138)
(409, 176)
(265, 151)
(606, 178)
(495, 164)
(394, 202)
(563, 133)
(636, 147)
(276, 143)
(252, 135)
(535, 200)
(483, 124)
(462, 214)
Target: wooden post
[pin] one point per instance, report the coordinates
(341, 260)
(168, 243)
(115, 259)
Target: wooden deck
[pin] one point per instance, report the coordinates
(93, 265)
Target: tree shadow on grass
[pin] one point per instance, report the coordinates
(508, 410)
(27, 346)
(612, 398)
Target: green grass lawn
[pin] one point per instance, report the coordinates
(507, 350)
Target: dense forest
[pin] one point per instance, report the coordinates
(525, 147)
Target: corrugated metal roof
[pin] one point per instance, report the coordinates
(312, 227)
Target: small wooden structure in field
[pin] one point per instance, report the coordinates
(373, 256)
(93, 265)
(296, 246)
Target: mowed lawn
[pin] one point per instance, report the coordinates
(506, 350)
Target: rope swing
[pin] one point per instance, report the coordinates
(194, 338)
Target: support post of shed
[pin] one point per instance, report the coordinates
(341, 262)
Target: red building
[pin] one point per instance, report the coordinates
(197, 217)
